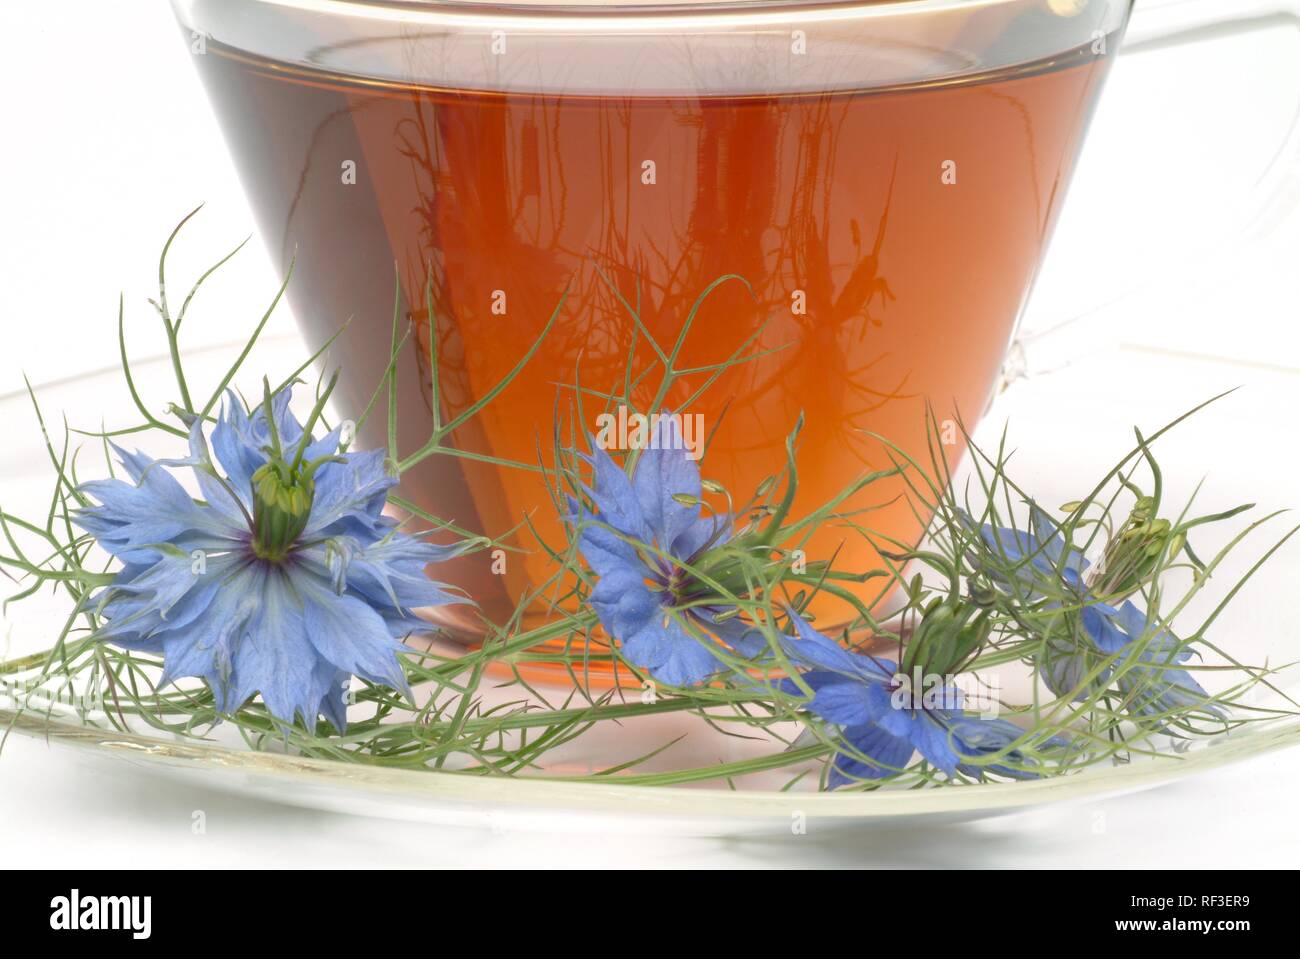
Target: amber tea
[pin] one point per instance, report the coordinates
(887, 237)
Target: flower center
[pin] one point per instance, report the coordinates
(282, 500)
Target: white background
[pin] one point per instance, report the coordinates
(108, 140)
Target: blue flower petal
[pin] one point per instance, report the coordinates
(236, 448)
(811, 648)
(1157, 687)
(977, 737)
(889, 710)
(615, 500)
(889, 754)
(624, 603)
(390, 572)
(1099, 622)
(1135, 623)
(349, 496)
(663, 471)
(1062, 667)
(1049, 534)
(603, 549)
(1158, 691)
(132, 520)
(1043, 552)
(205, 648)
(836, 699)
(1017, 546)
(333, 705)
(707, 531)
(136, 464)
(234, 504)
(275, 655)
(351, 635)
(167, 595)
(932, 740)
(664, 649)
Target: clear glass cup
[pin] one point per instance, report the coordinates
(874, 183)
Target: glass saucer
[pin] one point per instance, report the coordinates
(1064, 428)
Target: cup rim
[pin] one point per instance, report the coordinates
(656, 44)
(418, 12)
(619, 5)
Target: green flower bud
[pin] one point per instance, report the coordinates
(950, 632)
(282, 501)
(1133, 555)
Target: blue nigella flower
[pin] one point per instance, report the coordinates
(884, 720)
(286, 579)
(1154, 686)
(639, 592)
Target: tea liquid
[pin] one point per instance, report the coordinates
(888, 238)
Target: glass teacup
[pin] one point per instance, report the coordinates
(762, 217)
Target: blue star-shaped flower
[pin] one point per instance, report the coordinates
(1154, 686)
(884, 722)
(286, 579)
(639, 591)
